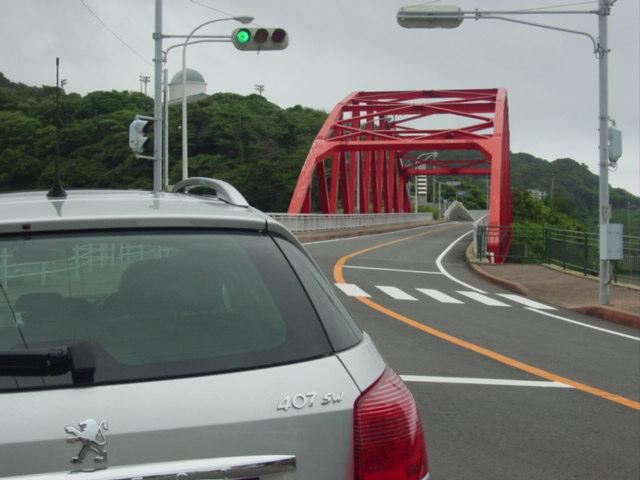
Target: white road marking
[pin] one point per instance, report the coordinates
(540, 311)
(527, 302)
(447, 274)
(438, 295)
(484, 381)
(478, 297)
(586, 325)
(396, 293)
(392, 270)
(352, 290)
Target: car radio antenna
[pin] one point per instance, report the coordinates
(56, 190)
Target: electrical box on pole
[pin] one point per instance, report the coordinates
(258, 39)
(611, 247)
(615, 144)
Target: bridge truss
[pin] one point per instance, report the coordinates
(372, 143)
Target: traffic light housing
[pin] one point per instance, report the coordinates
(139, 142)
(257, 39)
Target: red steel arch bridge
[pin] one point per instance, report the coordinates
(379, 141)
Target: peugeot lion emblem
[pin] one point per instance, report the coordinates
(91, 434)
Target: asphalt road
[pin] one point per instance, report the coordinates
(506, 391)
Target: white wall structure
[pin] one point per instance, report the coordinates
(196, 87)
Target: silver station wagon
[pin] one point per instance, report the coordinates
(184, 336)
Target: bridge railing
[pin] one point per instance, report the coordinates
(311, 222)
(568, 249)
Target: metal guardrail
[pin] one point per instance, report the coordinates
(568, 249)
(312, 222)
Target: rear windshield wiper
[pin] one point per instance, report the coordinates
(78, 358)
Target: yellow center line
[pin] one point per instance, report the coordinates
(498, 357)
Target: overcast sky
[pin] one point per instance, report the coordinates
(338, 46)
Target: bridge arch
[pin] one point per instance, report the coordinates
(377, 138)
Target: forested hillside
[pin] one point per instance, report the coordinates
(254, 144)
(248, 141)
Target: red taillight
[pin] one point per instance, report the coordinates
(388, 439)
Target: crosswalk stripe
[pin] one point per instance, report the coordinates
(478, 297)
(438, 295)
(352, 290)
(396, 293)
(526, 301)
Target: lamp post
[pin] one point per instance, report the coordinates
(185, 155)
(436, 16)
(165, 120)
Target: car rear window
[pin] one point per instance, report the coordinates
(155, 304)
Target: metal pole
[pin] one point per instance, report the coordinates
(357, 159)
(185, 154)
(440, 212)
(426, 191)
(433, 197)
(165, 125)
(605, 208)
(157, 101)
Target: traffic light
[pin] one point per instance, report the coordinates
(260, 39)
(139, 130)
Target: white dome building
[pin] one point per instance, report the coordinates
(195, 87)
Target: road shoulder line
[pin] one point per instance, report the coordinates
(447, 274)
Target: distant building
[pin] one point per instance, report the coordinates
(195, 87)
(538, 194)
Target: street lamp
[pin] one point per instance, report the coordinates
(185, 154)
(434, 16)
(165, 81)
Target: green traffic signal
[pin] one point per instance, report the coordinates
(243, 35)
(260, 39)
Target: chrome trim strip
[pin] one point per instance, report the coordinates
(207, 468)
(224, 190)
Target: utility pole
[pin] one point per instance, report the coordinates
(157, 101)
(259, 89)
(605, 208)
(144, 79)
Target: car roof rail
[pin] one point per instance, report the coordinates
(224, 191)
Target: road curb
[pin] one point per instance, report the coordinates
(473, 264)
(609, 313)
(606, 313)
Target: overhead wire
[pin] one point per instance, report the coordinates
(212, 8)
(221, 11)
(120, 39)
(550, 7)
